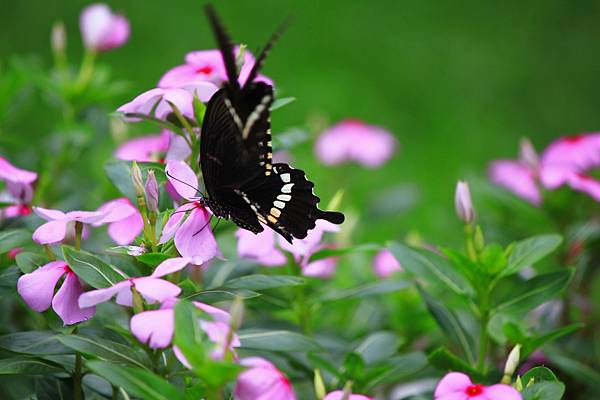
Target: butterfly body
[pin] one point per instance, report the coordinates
(236, 154)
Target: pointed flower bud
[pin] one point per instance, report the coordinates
(512, 362)
(320, 390)
(138, 182)
(58, 38)
(528, 155)
(151, 192)
(463, 203)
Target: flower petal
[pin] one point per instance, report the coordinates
(48, 214)
(217, 314)
(142, 149)
(171, 265)
(65, 303)
(516, 177)
(502, 392)
(154, 328)
(51, 232)
(173, 223)
(86, 217)
(194, 238)
(452, 382)
(586, 184)
(93, 297)
(156, 290)
(125, 231)
(385, 264)
(10, 173)
(183, 178)
(262, 381)
(115, 210)
(323, 268)
(37, 287)
(339, 395)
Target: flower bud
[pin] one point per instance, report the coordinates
(320, 390)
(138, 183)
(151, 192)
(528, 155)
(463, 203)
(512, 362)
(58, 38)
(101, 29)
(237, 313)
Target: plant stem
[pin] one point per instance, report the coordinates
(78, 232)
(470, 243)
(77, 392)
(86, 71)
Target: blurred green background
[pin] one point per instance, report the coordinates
(457, 82)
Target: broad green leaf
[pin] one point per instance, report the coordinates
(152, 259)
(529, 251)
(532, 344)
(378, 346)
(284, 101)
(105, 349)
(218, 373)
(544, 391)
(12, 238)
(538, 374)
(218, 295)
(444, 360)
(34, 342)
(340, 251)
(188, 335)
(493, 259)
(29, 262)
(354, 366)
(366, 290)
(51, 388)
(9, 278)
(576, 369)
(430, 267)
(534, 292)
(263, 282)
(22, 365)
(401, 367)
(137, 382)
(277, 341)
(451, 325)
(90, 268)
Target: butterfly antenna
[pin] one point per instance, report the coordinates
(187, 184)
(205, 225)
(225, 45)
(266, 49)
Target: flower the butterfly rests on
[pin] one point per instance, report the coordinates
(242, 182)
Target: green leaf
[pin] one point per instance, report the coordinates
(263, 282)
(401, 367)
(136, 381)
(152, 259)
(119, 173)
(378, 346)
(90, 268)
(532, 344)
(105, 349)
(451, 325)
(577, 370)
(493, 259)
(529, 251)
(51, 388)
(538, 374)
(443, 359)
(284, 101)
(366, 290)
(22, 365)
(340, 251)
(9, 278)
(277, 341)
(544, 391)
(28, 261)
(11, 238)
(218, 295)
(34, 342)
(430, 267)
(534, 292)
(354, 366)
(188, 335)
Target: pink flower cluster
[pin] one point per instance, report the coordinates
(566, 161)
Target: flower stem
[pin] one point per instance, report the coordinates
(483, 335)
(470, 242)
(77, 392)
(78, 233)
(86, 71)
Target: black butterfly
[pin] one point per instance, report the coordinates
(236, 156)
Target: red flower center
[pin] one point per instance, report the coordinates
(584, 176)
(24, 209)
(205, 70)
(573, 139)
(474, 390)
(68, 269)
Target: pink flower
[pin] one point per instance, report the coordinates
(124, 221)
(458, 386)
(518, 178)
(354, 140)
(385, 264)
(10, 173)
(157, 327)
(154, 148)
(102, 30)
(19, 190)
(156, 101)
(260, 247)
(55, 230)
(207, 65)
(193, 235)
(152, 288)
(37, 290)
(339, 394)
(262, 381)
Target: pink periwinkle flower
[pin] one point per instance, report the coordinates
(37, 290)
(190, 223)
(339, 395)
(158, 101)
(260, 247)
(207, 65)
(124, 220)
(458, 386)
(19, 189)
(101, 29)
(157, 327)
(385, 264)
(154, 148)
(152, 288)
(354, 140)
(262, 381)
(55, 230)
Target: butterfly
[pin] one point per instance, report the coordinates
(242, 182)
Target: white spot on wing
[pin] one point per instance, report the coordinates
(287, 188)
(284, 197)
(279, 204)
(285, 177)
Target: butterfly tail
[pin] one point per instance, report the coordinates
(332, 216)
(224, 43)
